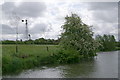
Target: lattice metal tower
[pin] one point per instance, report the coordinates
(26, 29)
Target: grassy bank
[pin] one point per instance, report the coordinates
(28, 56)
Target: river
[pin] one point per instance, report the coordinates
(104, 66)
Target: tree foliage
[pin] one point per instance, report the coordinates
(78, 36)
(107, 42)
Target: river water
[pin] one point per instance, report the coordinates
(104, 66)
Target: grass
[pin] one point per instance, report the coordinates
(28, 56)
(0, 61)
(29, 49)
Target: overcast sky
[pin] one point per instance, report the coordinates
(46, 18)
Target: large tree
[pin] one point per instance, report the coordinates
(78, 36)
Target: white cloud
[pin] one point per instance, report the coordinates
(25, 9)
(46, 18)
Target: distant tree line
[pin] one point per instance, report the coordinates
(107, 43)
(36, 41)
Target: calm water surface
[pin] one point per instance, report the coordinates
(104, 66)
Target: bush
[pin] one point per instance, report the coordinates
(117, 48)
(66, 56)
(13, 65)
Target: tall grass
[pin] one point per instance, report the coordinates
(28, 56)
(0, 61)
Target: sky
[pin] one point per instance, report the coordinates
(46, 18)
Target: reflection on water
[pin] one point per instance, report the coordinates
(105, 66)
(77, 70)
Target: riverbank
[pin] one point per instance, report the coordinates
(104, 66)
(28, 56)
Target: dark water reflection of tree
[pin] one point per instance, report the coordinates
(83, 69)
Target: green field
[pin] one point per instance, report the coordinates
(28, 56)
(33, 50)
